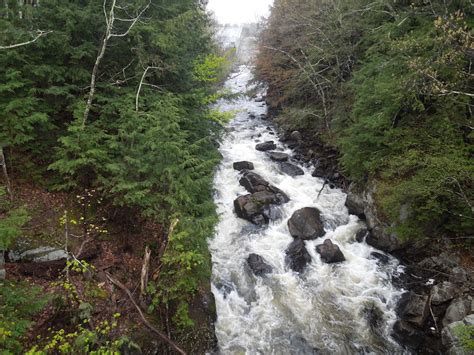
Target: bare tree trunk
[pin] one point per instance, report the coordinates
(109, 20)
(141, 84)
(3, 163)
(145, 268)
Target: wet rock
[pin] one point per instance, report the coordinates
(296, 136)
(263, 117)
(306, 224)
(297, 257)
(355, 203)
(379, 239)
(374, 317)
(443, 292)
(384, 259)
(414, 308)
(258, 265)
(291, 169)
(257, 207)
(408, 335)
(457, 310)
(450, 335)
(243, 165)
(292, 144)
(265, 146)
(330, 253)
(277, 156)
(252, 116)
(255, 183)
(361, 235)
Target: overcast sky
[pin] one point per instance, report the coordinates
(239, 11)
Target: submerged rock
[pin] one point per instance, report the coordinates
(361, 235)
(306, 224)
(263, 147)
(258, 265)
(243, 165)
(297, 257)
(384, 259)
(278, 156)
(291, 169)
(330, 253)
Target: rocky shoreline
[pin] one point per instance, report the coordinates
(438, 304)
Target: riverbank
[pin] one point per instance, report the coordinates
(438, 303)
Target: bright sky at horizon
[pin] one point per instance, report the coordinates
(239, 11)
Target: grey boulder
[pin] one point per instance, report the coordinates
(330, 252)
(306, 224)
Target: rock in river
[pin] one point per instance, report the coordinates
(306, 223)
(243, 165)
(255, 183)
(258, 265)
(297, 257)
(278, 156)
(291, 169)
(263, 147)
(330, 253)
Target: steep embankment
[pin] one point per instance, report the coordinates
(381, 94)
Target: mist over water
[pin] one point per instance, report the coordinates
(343, 308)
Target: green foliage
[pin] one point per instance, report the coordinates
(85, 340)
(19, 303)
(465, 333)
(389, 84)
(11, 222)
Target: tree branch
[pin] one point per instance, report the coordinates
(38, 36)
(162, 335)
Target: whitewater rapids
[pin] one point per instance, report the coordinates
(327, 309)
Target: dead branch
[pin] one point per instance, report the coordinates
(162, 335)
(39, 34)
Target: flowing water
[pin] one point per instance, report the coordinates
(343, 308)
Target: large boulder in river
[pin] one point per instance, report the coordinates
(255, 183)
(254, 207)
(258, 265)
(243, 165)
(291, 169)
(297, 257)
(263, 147)
(330, 252)
(306, 224)
(278, 156)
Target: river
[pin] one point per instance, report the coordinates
(342, 308)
